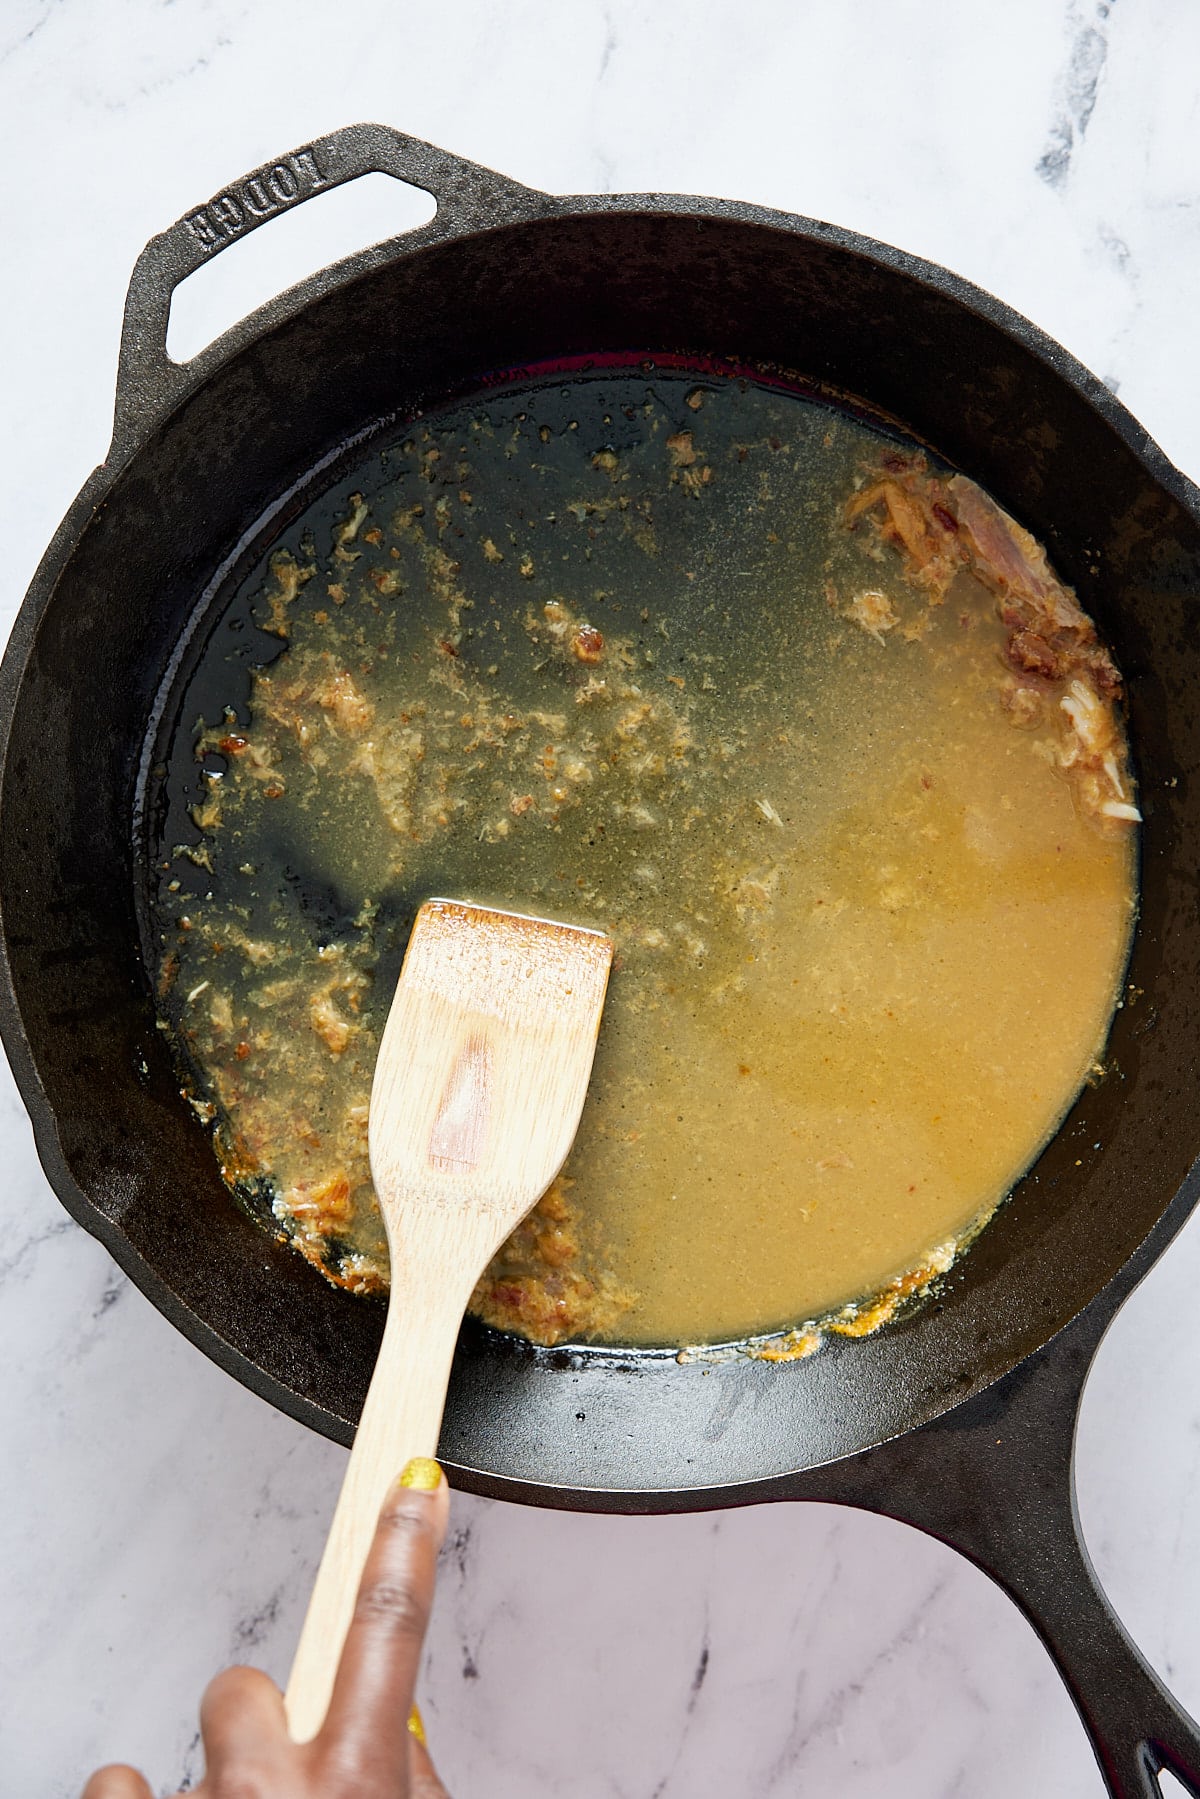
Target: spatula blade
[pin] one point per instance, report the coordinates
(485, 1061)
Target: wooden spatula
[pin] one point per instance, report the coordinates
(478, 1088)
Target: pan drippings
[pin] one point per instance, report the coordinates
(803, 721)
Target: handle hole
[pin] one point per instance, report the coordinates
(288, 248)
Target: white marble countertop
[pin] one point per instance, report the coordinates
(157, 1520)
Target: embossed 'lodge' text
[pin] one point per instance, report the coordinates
(270, 189)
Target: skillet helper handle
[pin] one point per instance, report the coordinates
(995, 1480)
(401, 1418)
(468, 197)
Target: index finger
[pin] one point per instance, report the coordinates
(366, 1728)
(117, 1782)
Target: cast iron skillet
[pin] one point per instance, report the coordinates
(961, 1418)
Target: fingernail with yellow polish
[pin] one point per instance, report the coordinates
(422, 1473)
(415, 1721)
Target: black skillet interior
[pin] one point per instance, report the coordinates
(504, 279)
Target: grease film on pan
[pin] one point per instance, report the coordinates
(793, 711)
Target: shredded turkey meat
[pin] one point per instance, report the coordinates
(943, 527)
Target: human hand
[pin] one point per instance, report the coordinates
(371, 1745)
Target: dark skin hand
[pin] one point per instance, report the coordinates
(366, 1749)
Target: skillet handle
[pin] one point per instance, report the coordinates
(468, 196)
(995, 1480)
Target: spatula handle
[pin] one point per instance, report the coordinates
(401, 1418)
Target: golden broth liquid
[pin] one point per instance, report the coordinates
(594, 651)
